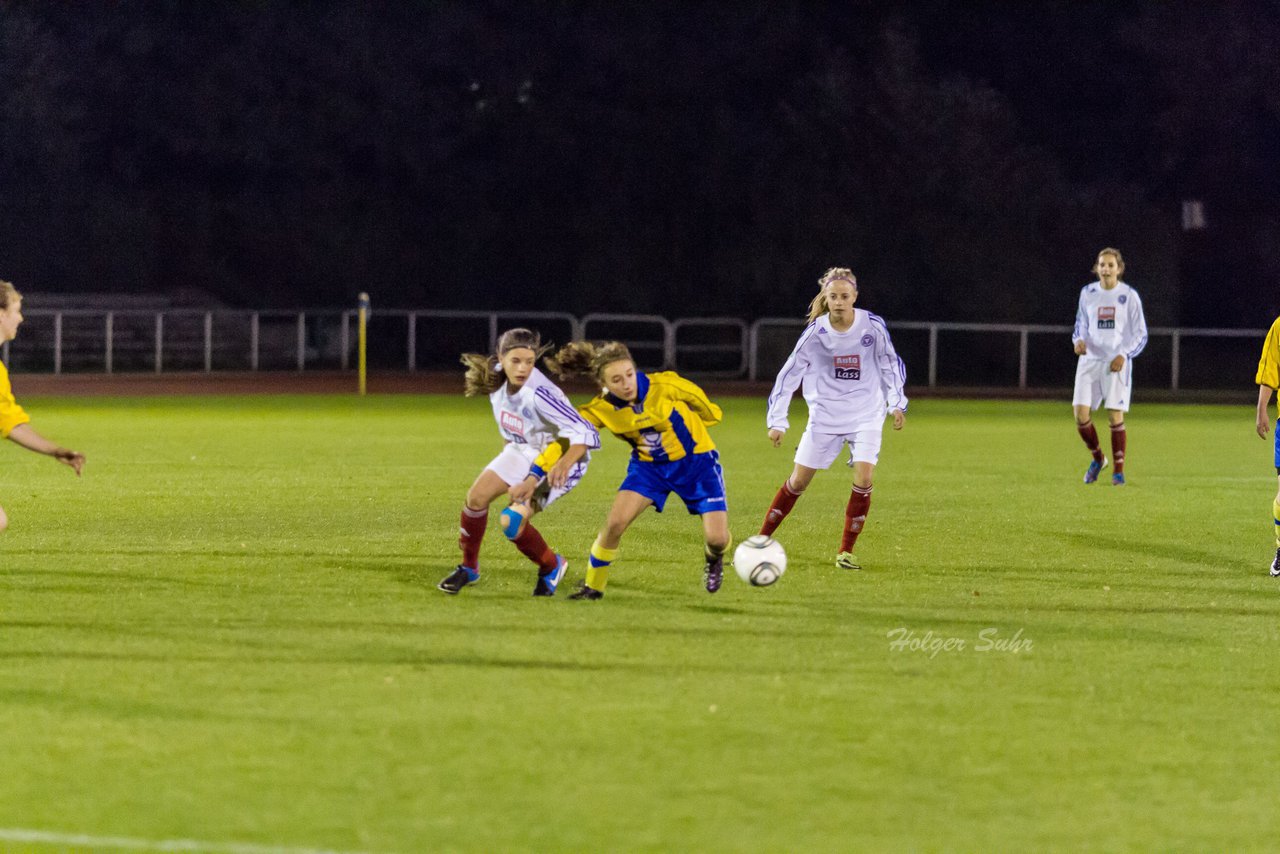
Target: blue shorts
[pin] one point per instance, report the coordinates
(697, 479)
(1277, 435)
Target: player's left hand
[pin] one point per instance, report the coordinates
(899, 418)
(1264, 424)
(1117, 363)
(521, 492)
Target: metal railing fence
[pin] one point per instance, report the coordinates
(937, 355)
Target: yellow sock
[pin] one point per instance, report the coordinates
(1275, 510)
(598, 571)
(712, 554)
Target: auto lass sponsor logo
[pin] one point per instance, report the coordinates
(848, 367)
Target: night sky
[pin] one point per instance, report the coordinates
(967, 160)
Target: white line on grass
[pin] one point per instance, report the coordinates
(22, 834)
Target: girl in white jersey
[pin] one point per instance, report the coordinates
(547, 448)
(852, 378)
(1109, 332)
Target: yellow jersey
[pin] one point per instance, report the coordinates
(668, 420)
(1269, 364)
(11, 414)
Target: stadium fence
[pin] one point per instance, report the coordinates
(937, 354)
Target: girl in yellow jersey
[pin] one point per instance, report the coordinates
(15, 425)
(664, 418)
(1268, 379)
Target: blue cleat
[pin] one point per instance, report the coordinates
(1095, 468)
(548, 583)
(1117, 479)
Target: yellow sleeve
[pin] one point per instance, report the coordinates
(550, 455)
(11, 414)
(1269, 364)
(692, 395)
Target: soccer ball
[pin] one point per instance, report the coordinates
(760, 560)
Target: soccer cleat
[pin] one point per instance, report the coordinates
(714, 574)
(1275, 565)
(590, 594)
(1117, 479)
(845, 560)
(548, 583)
(1095, 468)
(459, 579)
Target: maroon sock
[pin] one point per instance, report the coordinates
(471, 532)
(532, 546)
(1118, 438)
(855, 516)
(781, 506)
(1090, 435)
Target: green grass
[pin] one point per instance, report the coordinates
(228, 631)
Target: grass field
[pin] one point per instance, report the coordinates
(228, 632)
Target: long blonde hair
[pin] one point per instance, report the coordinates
(1119, 260)
(585, 360)
(484, 373)
(818, 307)
(8, 293)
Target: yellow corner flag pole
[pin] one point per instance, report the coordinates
(361, 351)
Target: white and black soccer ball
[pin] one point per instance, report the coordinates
(760, 560)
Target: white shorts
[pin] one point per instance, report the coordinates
(513, 464)
(819, 450)
(1096, 382)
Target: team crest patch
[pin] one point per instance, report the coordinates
(1124, 298)
(1106, 317)
(848, 367)
(868, 340)
(512, 423)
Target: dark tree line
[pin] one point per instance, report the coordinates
(966, 159)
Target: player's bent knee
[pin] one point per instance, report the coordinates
(512, 519)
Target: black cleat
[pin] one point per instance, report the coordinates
(714, 574)
(1275, 565)
(588, 593)
(458, 579)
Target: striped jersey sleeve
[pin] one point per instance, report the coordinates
(789, 378)
(893, 373)
(556, 408)
(1136, 330)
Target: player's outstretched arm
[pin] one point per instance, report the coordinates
(26, 436)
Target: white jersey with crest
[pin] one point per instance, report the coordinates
(849, 378)
(538, 414)
(1110, 322)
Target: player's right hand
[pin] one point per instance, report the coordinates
(1264, 424)
(1080, 348)
(775, 436)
